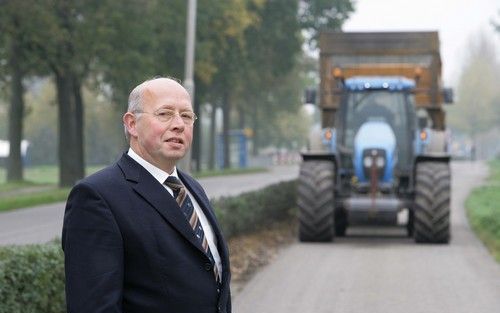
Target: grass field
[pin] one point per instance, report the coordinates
(46, 174)
(41, 186)
(483, 210)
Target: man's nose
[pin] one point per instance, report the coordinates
(177, 123)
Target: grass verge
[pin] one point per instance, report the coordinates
(43, 174)
(32, 199)
(483, 210)
(14, 187)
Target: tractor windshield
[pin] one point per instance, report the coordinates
(393, 108)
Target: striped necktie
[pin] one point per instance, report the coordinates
(189, 212)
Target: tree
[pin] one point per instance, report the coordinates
(136, 29)
(18, 31)
(475, 110)
(221, 70)
(73, 34)
(275, 49)
(316, 15)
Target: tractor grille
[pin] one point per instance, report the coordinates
(374, 157)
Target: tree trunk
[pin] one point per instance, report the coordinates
(213, 129)
(69, 160)
(79, 127)
(241, 116)
(226, 113)
(16, 113)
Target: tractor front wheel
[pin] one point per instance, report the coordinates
(316, 201)
(432, 203)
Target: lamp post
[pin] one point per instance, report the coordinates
(185, 163)
(190, 42)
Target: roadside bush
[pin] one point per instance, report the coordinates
(32, 276)
(254, 210)
(32, 279)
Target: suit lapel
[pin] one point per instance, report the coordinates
(158, 197)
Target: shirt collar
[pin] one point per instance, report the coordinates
(159, 174)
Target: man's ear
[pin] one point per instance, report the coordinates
(129, 120)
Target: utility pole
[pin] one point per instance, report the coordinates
(185, 163)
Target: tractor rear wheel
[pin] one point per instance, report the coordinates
(316, 201)
(432, 203)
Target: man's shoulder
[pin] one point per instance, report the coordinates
(105, 176)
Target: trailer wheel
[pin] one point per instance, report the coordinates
(316, 201)
(432, 203)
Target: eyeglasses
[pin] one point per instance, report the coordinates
(166, 115)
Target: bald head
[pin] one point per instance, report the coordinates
(136, 97)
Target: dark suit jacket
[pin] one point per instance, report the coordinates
(128, 247)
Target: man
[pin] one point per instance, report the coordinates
(133, 240)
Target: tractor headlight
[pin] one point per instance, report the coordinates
(380, 162)
(368, 161)
(374, 161)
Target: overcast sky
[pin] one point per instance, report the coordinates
(456, 20)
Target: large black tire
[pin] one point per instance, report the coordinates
(432, 203)
(316, 201)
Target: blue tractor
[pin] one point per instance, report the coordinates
(382, 149)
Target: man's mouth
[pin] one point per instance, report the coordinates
(175, 140)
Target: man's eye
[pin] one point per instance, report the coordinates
(165, 113)
(187, 116)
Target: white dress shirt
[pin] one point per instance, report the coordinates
(160, 175)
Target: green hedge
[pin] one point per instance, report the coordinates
(32, 276)
(32, 279)
(252, 210)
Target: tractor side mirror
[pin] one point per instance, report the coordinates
(310, 96)
(448, 95)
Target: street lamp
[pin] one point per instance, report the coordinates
(190, 43)
(185, 163)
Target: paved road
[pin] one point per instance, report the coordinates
(380, 270)
(43, 223)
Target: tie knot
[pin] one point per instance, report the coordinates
(177, 187)
(174, 183)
